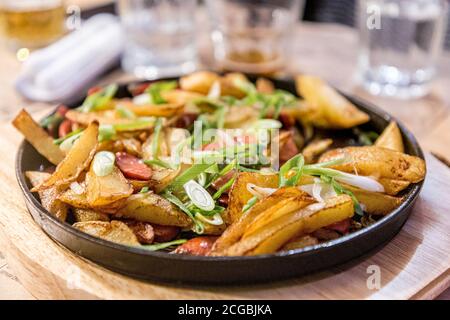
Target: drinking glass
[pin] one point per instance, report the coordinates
(160, 37)
(400, 41)
(252, 35)
(31, 23)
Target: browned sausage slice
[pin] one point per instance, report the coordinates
(165, 233)
(199, 246)
(132, 167)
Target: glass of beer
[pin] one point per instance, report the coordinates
(252, 36)
(31, 23)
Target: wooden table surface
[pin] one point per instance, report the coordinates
(326, 50)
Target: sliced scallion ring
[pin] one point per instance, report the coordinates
(199, 196)
(215, 221)
(67, 144)
(267, 124)
(103, 163)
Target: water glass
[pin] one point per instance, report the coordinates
(160, 37)
(400, 41)
(252, 35)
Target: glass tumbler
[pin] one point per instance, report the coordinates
(400, 41)
(252, 36)
(160, 37)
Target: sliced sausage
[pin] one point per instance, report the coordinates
(132, 167)
(165, 233)
(65, 128)
(143, 231)
(288, 148)
(223, 179)
(341, 226)
(186, 120)
(199, 246)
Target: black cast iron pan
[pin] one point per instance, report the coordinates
(161, 266)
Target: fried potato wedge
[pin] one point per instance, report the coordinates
(300, 242)
(38, 137)
(84, 215)
(178, 96)
(239, 195)
(80, 201)
(228, 84)
(304, 221)
(264, 85)
(102, 191)
(152, 208)
(114, 231)
(154, 110)
(391, 138)
(393, 169)
(328, 109)
(235, 231)
(49, 197)
(200, 81)
(77, 160)
(315, 148)
(238, 117)
(374, 202)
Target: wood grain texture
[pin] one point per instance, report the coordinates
(409, 263)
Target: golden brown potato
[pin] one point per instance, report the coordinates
(214, 230)
(264, 85)
(154, 110)
(315, 148)
(300, 242)
(304, 221)
(152, 208)
(76, 161)
(327, 108)
(374, 202)
(38, 137)
(178, 96)
(391, 138)
(393, 169)
(115, 231)
(109, 117)
(49, 197)
(83, 215)
(77, 200)
(200, 81)
(228, 84)
(238, 117)
(102, 191)
(239, 195)
(273, 202)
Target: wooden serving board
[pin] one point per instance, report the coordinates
(415, 264)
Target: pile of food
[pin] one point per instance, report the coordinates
(218, 165)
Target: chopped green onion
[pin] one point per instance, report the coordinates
(199, 196)
(71, 134)
(296, 163)
(106, 132)
(190, 174)
(250, 204)
(216, 221)
(124, 112)
(145, 189)
(163, 245)
(99, 100)
(68, 143)
(199, 228)
(267, 124)
(138, 124)
(159, 163)
(103, 163)
(224, 188)
(155, 90)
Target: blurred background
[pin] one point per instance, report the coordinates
(54, 50)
